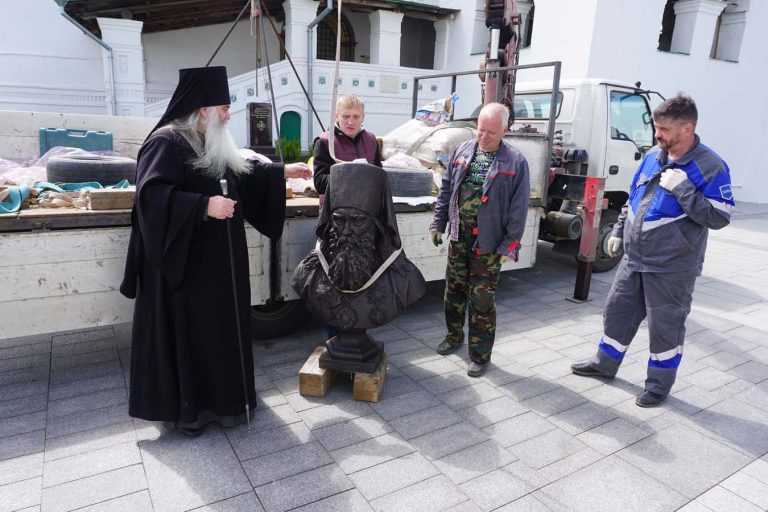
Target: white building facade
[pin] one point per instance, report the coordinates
(711, 49)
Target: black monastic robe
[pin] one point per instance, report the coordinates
(185, 360)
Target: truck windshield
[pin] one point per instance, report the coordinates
(535, 105)
(630, 119)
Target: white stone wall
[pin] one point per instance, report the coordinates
(167, 52)
(46, 63)
(730, 96)
(617, 40)
(386, 90)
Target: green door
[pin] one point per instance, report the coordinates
(290, 126)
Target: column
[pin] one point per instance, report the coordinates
(442, 36)
(695, 22)
(732, 24)
(386, 29)
(299, 14)
(125, 67)
(524, 10)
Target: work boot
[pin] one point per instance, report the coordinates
(650, 399)
(446, 347)
(589, 368)
(476, 369)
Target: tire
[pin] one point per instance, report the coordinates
(409, 182)
(603, 262)
(107, 170)
(277, 319)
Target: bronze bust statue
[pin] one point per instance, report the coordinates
(358, 276)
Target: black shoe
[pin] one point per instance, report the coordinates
(191, 432)
(446, 347)
(476, 369)
(588, 369)
(650, 399)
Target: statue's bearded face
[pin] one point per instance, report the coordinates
(351, 248)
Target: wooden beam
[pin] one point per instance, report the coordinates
(164, 15)
(368, 386)
(313, 380)
(174, 6)
(140, 7)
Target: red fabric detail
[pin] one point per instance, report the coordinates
(484, 199)
(475, 231)
(513, 245)
(477, 252)
(507, 173)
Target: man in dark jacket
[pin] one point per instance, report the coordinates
(681, 190)
(185, 356)
(484, 202)
(351, 141)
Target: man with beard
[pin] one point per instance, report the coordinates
(351, 247)
(358, 277)
(185, 355)
(681, 190)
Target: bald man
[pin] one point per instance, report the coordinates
(483, 201)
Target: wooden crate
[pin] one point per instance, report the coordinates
(368, 386)
(313, 380)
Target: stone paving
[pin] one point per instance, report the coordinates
(528, 436)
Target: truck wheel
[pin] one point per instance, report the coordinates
(277, 319)
(409, 182)
(603, 262)
(107, 170)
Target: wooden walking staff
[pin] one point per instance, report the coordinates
(225, 191)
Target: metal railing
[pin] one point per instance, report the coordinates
(556, 67)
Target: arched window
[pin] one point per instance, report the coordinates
(526, 30)
(326, 38)
(417, 47)
(667, 27)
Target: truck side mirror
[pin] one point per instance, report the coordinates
(638, 156)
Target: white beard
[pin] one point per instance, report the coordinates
(219, 150)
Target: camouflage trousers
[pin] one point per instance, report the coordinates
(471, 279)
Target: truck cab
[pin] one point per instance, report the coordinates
(602, 129)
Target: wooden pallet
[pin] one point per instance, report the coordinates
(315, 381)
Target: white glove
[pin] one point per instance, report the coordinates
(614, 246)
(671, 178)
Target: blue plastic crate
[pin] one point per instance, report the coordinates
(84, 139)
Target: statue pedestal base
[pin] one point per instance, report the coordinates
(352, 352)
(315, 381)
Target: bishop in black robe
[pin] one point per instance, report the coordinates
(185, 358)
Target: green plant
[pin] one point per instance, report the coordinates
(290, 148)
